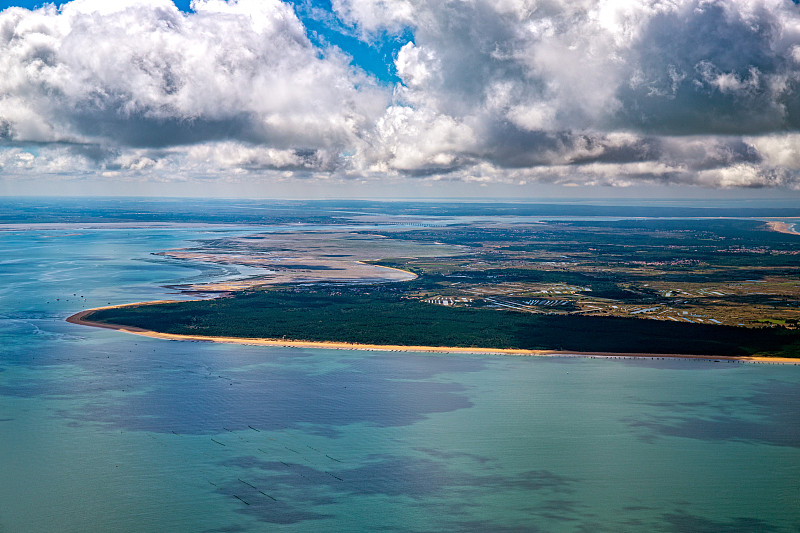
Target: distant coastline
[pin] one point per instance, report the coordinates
(80, 318)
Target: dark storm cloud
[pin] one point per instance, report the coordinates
(709, 68)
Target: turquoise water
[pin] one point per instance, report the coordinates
(104, 431)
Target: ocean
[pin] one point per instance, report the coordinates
(105, 431)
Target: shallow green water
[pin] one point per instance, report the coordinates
(103, 431)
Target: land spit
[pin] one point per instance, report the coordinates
(81, 319)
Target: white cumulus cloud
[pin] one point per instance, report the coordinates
(702, 92)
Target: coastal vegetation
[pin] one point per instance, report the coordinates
(363, 315)
(721, 287)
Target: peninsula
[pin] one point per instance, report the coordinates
(706, 288)
(313, 318)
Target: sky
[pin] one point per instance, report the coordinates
(401, 98)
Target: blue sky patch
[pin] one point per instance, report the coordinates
(324, 29)
(183, 5)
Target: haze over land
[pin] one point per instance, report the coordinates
(384, 98)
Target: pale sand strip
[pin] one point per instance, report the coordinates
(78, 318)
(346, 272)
(782, 227)
(406, 272)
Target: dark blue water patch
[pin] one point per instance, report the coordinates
(71, 371)
(733, 429)
(395, 475)
(724, 406)
(560, 509)
(775, 403)
(568, 514)
(780, 400)
(282, 399)
(681, 522)
(485, 525)
(265, 508)
(401, 476)
(195, 388)
(383, 475)
(227, 529)
(266, 499)
(428, 482)
(441, 454)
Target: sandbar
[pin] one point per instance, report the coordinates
(80, 318)
(782, 227)
(311, 270)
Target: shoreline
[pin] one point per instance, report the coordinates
(783, 227)
(79, 319)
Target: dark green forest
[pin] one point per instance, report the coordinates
(358, 315)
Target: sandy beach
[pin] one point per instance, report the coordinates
(80, 318)
(782, 227)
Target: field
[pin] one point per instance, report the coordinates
(722, 272)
